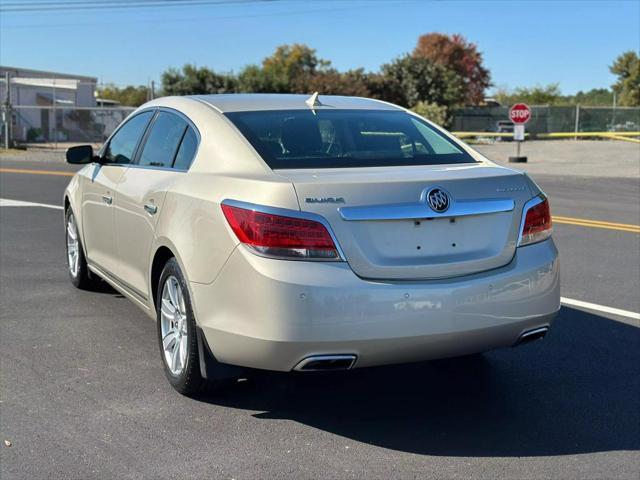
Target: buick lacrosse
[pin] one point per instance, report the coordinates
(296, 233)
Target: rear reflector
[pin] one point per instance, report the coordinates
(537, 223)
(281, 236)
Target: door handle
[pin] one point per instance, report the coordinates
(107, 199)
(151, 208)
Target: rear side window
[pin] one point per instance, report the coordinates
(123, 144)
(162, 143)
(187, 150)
(345, 138)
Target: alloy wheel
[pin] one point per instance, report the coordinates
(73, 252)
(173, 325)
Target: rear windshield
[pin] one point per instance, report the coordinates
(345, 138)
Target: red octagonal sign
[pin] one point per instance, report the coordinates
(520, 113)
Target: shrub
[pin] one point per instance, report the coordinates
(438, 114)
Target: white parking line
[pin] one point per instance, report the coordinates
(6, 202)
(600, 308)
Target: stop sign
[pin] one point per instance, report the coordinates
(520, 113)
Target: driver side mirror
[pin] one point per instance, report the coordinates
(80, 155)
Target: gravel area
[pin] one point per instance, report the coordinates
(33, 155)
(586, 158)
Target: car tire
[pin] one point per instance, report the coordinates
(76, 261)
(177, 336)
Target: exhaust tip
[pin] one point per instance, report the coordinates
(531, 335)
(325, 363)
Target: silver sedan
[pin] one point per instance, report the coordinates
(295, 233)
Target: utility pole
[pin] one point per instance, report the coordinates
(577, 121)
(7, 111)
(55, 116)
(613, 116)
(153, 89)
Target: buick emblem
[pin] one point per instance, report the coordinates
(438, 200)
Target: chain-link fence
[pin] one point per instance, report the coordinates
(54, 109)
(58, 126)
(29, 125)
(547, 119)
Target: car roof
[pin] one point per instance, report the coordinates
(248, 102)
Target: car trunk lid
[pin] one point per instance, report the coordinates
(384, 225)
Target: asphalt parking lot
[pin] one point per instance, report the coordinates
(83, 393)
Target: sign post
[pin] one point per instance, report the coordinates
(519, 114)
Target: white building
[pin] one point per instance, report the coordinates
(44, 104)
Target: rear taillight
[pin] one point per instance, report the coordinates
(281, 236)
(536, 226)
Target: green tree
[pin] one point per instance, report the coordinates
(551, 95)
(332, 82)
(128, 96)
(290, 67)
(410, 79)
(455, 53)
(436, 113)
(253, 80)
(192, 80)
(596, 97)
(538, 95)
(627, 68)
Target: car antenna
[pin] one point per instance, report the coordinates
(313, 101)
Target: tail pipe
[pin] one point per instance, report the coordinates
(325, 363)
(531, 335)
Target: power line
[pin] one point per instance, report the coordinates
(70, 6)
(77, 2)
(175, 20)
(74, 2)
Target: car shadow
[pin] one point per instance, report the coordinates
(576, 391)
(101, 286)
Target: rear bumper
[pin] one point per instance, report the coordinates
(271, 314)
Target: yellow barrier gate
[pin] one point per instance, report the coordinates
(624, 136)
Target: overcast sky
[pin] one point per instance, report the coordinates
(523, 43)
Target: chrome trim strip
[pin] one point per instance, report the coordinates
(421, 210)
(285, 212)
(319, 358)
(150, 167)
(141, 167)
(538, 199)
